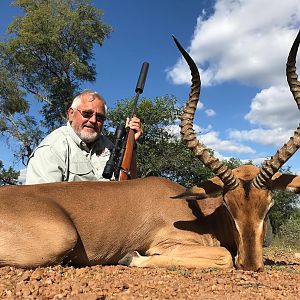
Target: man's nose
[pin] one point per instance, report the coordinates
(93, 118)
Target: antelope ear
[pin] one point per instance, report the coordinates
(287, 182)
(194, 193)
(206, 189)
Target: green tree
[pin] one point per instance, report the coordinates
(289, 232)
(161, 151)
(233, 163)
(8, 176)
(48, 54)
(15, 124)
(285, 205)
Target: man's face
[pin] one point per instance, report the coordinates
(88, 118)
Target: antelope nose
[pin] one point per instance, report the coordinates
(260, 269)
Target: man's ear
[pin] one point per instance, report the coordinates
(70, 114)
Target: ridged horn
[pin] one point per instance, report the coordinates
(188, 134)
(271, 166)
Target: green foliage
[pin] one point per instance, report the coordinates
(161, 151)
(289, 232)
(284, 206)
(51, 49)
(11, 97)
(15, 123)
(48, 54)
(8, 176)
(233, 163)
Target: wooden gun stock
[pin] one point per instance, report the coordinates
(128, 166)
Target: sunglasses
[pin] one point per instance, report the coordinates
(87, 114)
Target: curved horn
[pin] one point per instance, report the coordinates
(188, 134)
(271, 166)
(291, 74)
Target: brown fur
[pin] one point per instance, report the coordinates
(248, 207)
(88, 223)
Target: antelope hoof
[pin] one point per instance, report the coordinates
(128, 258)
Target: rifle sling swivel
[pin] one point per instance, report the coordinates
(127, 172)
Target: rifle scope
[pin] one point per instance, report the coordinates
(115, 152)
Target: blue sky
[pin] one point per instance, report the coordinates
(246, 110)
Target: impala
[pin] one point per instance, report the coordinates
(139, 223)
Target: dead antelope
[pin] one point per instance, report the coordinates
(137, 222)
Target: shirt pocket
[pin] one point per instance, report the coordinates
(80, 168)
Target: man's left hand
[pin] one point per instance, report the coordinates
(135, 124)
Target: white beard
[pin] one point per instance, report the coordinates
(88, 137)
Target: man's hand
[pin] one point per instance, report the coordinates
(135, 124)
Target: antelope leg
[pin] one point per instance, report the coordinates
(189, 257)
(40, 238)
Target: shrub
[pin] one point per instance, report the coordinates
(289, 232)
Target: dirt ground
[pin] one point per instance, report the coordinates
(280, 280)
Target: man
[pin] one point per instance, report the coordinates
(77, 151)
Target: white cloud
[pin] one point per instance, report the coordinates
(175, 129)
(199, 105)
(22, 176)
(237, 42)
(258, 160)
(210, 112)
(269, 137)
(274, 108)
(212, 140)
(247, 41)
(276, 113)
(220, 156)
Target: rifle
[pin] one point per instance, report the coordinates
(121, 161)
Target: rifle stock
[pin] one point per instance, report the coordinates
(128, 167)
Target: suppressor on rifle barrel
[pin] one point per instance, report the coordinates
(142, 78)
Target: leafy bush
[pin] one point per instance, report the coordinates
(284, 208)
(289, 232)
(8, 176)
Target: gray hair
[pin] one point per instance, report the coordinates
(77, 100)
